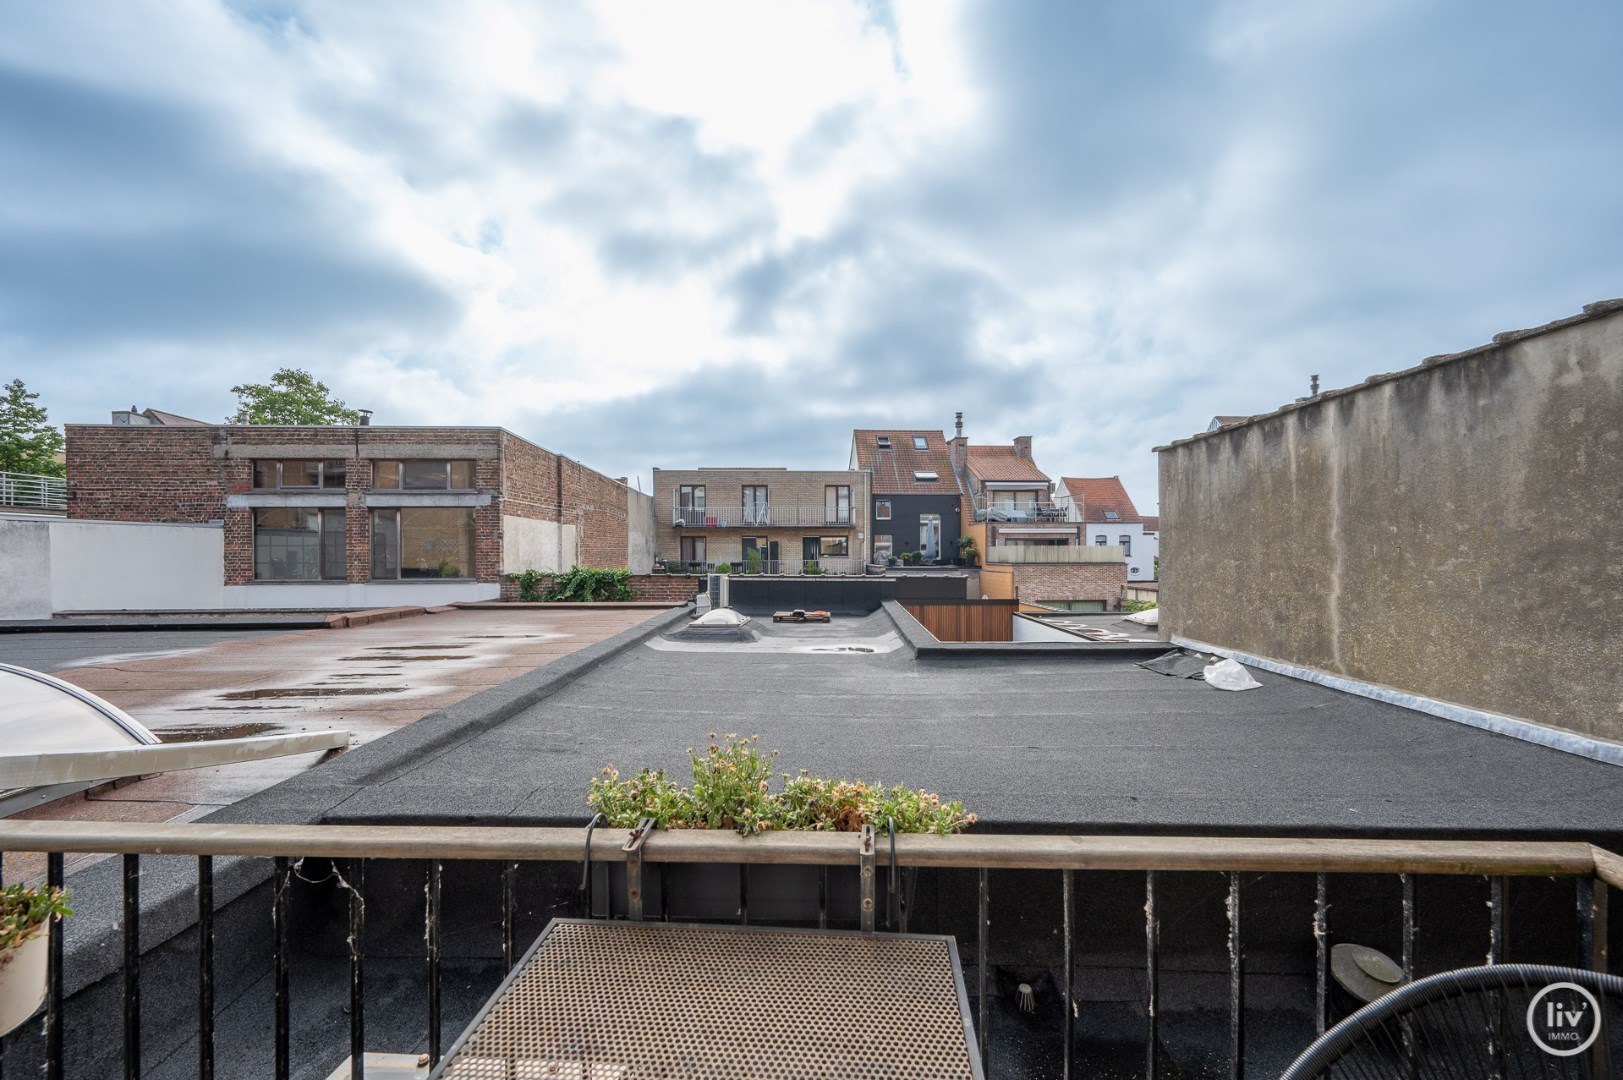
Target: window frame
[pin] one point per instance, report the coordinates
(756, 511)
(324, 570)
(882, 510)
(837, 497)
(921, 442)
(469, 572)
(1126, 547)
(926, 476)
(841, 544)
(379, 464)
(323, 468)
(1101, 540)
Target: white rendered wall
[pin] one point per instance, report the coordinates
(329, 595)
(136, 566)
(528, 544)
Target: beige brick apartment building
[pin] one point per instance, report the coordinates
(360, 516)
(789, 519)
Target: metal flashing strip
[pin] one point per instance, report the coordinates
(1526, 730)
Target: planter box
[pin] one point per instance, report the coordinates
(22, 979)
(718, 892)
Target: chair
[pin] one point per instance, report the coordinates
(1478, 1022)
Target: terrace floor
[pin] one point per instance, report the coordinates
(1076, 744)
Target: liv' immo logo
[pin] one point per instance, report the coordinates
(1563, 1019)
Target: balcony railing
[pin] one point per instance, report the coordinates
(410, 887)
(31, 492)
(992, 508)
(789, 515)
(828, 564)
(1054, 553)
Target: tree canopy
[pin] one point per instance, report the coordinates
(291, 397)
(28, 441)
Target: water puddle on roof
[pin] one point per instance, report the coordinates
(206, 732)
(308, 692)
(839, 648)
(400, 659)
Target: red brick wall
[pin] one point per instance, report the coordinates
(183, 474)
(1036, 582)
(148, 474)
(646, 588)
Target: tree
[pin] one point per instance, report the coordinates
(28, 442)
(291, 397)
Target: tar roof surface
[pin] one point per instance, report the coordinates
(1092, 744)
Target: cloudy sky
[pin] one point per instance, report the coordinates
(652, 233)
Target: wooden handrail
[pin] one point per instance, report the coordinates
(973, 850)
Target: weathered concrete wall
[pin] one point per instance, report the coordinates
(25, 567)
(642, 542)
(1455, 530)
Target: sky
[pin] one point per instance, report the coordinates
(652, 234)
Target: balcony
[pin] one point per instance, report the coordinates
(990, 507)
(832, 565)
(1205, 956)
(773, 516)
(26, 491)
(1021, 554)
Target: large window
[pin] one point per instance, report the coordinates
(835, 545)
(693, 552)
(1016, 500)
(755, 510)
(298, 545)
(422, 542)
(837, 505)
(422, 475)
(690, 506)
(881, 509)
(299, 474)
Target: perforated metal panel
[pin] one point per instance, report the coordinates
(625, 1001)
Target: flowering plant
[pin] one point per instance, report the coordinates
(23, 910)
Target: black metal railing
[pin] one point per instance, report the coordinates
(352, 847)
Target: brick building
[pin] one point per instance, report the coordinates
(787, 518)
(360, 516)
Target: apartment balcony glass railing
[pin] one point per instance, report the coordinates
(27, 491)
(992, 508)
(389, 894)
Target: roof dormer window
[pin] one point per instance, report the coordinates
(921, 443)
(925, 477)
(883, 442)
(1111, 515)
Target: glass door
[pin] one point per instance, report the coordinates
(930, 536)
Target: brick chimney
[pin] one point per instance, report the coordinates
(1022, 447)
(958, 446)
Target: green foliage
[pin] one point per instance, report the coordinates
(732, 790)
(724, 568)
(28, 442)
(583, 586)
(23, 910)
(753, 561)
(529, 586)
(1137, 605)
(811, 568)
(965, 541)
(291, 397)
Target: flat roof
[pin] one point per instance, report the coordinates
(1085, 743)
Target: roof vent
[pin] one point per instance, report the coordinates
(883, 442)
(925, 477)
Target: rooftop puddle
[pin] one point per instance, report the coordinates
(308, 692)
(206, 732)
(399, 659)
(839, 648)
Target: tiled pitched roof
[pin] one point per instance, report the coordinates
(1152, 523)
(1098, 494)
(1001, 464)
(893, 469)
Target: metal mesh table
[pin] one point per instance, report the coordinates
(624, 1001)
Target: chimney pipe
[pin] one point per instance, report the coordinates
(366, 417)
(960, 424)
(1315, 387)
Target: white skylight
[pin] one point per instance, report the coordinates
(922, 476)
